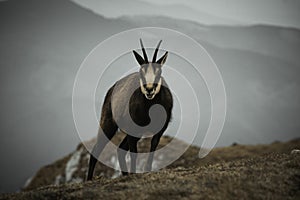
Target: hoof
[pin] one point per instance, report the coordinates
(125, 173)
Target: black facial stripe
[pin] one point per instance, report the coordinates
(143, 80)
(156, 69)
(142, 77)
(157, 76)
(156, 80)
(146, 68)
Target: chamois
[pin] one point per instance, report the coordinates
(148, 89)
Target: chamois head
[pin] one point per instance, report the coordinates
(150, 72)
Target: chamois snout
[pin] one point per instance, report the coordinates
(150, 93)
(150, 90)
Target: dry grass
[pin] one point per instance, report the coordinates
(235, 172)
(272, 176)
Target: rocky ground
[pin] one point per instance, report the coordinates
(236, 172)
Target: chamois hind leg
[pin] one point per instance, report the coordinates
(107, 130)
(132, 143)
(105, 134)
(122, 151)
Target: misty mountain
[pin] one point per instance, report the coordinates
(44, 42)
(135, 8)
(279, 42)
(284, 13)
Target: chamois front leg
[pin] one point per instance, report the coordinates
(132, 143)
(154, 144)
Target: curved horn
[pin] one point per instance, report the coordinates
(144, 51)
(156, 50)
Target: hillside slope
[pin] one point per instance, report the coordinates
(272, 176)
(73, 167)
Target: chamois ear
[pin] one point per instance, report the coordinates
(163, 59)
(139, 58)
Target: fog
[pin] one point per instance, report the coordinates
(43, 43)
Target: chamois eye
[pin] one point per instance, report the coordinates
(157, 71)
(142, 72)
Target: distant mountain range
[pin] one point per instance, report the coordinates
(44, 42)
(284, 13)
